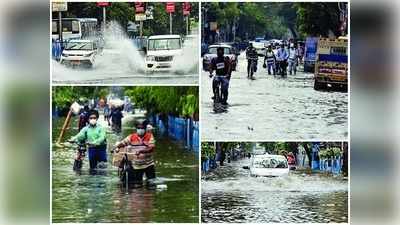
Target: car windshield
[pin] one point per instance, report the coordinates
(270, 163)
(214, 50)
(79, 46)
(164, 44)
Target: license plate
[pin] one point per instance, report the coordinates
(76, 62)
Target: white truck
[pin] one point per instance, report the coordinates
(161, 51)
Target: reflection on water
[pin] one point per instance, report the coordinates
(230, 195)
(100, 197)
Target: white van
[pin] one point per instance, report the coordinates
(268, 166)
(161, 51)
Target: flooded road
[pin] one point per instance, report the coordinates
(229, 194)
(122, 62)
(273, 108)
(101, 198)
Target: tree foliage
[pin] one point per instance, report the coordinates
(64, 96)
(123, 12)
(178, 101)
(318, 19)
(275, 19)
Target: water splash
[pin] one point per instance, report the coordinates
(188, 61)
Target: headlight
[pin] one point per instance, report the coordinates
(150, 58)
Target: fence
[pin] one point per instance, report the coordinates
(180, 129)
(331, 165)
(208, 165)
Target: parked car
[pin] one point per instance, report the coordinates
(212, 53)
(268, 166)
(161, 50)
(79, 52)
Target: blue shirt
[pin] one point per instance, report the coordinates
(282, 54)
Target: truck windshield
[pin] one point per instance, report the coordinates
(164, 44)
(79, 46)
(270, 163)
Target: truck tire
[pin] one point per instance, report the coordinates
(318, 85)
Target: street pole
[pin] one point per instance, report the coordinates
(170, 23)
(60, 26)
(141, 28)
(187, 25)
(104, 19)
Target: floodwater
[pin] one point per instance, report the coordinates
(229, 194)
(101, 197)
(271, 108)
(121, 62)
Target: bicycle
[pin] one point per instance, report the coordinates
(252, 68)
(80, 155)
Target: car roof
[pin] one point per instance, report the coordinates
(164, 36)
(220, 45)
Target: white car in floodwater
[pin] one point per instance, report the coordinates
(79, 52)
(268, 166)
(161, 51)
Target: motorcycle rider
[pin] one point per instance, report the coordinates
(223, 69)
(270, 60)
(293, 54)
(251, 54)
(282, 57)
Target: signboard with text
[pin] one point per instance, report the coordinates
(186, 7)
(140, 7)
(103, 4)
(59, 6)
(140, 17)
(170, 7)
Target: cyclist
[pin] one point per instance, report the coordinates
(223, 69)
(251, 55)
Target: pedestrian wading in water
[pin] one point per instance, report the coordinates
(142, 144)
(94, 135)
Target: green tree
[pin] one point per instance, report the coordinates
(318, 19)
(178, 101)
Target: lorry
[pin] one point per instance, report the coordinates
(331, 65)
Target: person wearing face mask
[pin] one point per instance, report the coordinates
(143, 162)
(95, 136)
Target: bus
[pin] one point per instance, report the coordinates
(74, 28)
